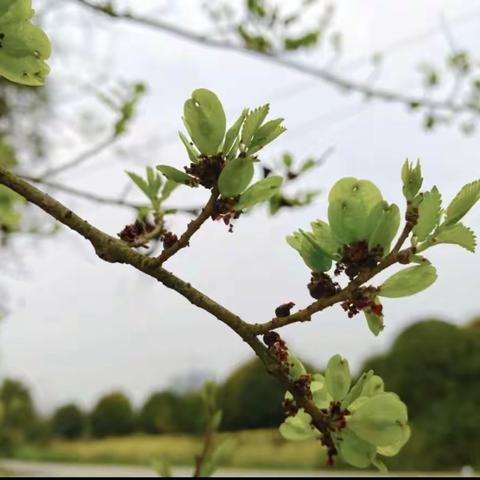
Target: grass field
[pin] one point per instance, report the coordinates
(254, 449)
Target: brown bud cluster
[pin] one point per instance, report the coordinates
(133, 233)
(276, 346)
(284, 309)
(302, 386)
(336, 421)
(361, 299)
(322, 286)
(207, 170)
(357, 258)
(225, 211)
(168, 239)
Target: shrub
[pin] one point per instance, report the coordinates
(68, 422)
(113, 415)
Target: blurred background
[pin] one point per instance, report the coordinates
(90, 350)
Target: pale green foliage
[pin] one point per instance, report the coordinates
(205, 120)
(383, 223)
(408, 281)
(24, 46)
(350, 203)
(375, 322)
(311, 252)
(412, 179)
(236, 176)
(457, 234)
(252, 123)
(376, 422)
(428, 214)
(259, 192)
(176, 175)
(463, 202)
(337, 377)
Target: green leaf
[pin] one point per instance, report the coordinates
(266, 134)
(204, 115)
(259, 192)
(337, 377)
(457, 234)
(295, 367)
(373, 386)
(287, 159)
(140, 183)
(409, 281)
(168, 189)
(350, 203)
(412, 179)
(357, 389)
(176, 175)
(386, 226)
(375, 322)
(354, 450)
(24, 47)
(233, 132)
(428, 214)
(191, 150)
(313, 256)
(236, 176)
(299, 427)
(252, 123)
(392, 450)
(323, 236)
(463, 202)
(381, 420)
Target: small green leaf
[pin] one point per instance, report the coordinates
(313, 256)
(381, 420)
(412, 179)
(266, 134)
(373, 386)
(236, 176)
(233, 132)
(259, 192)
(428, 214)
(355, 451)
(457, 234)
(337, 377)
(392, 450)
(295, 367)
(375, 322)
(140, 183)
(463, 202)
(252, 123)
(168, 189)
(162, 468)
(298, 427)
(191, 150)
(176, 175)
(323, 236)
(205, 118)
(24, 47)
(409, 281)
(357, 389)
(386, 226)
(350, 203)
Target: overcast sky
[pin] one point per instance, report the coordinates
(80, 327)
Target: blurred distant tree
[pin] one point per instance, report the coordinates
(251, 398)
(433, 366)
(159, 414)
(68, 421)
(113, 415)
(19, 418)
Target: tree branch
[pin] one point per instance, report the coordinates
(323, 74)
(192, 228)
(113, 250)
